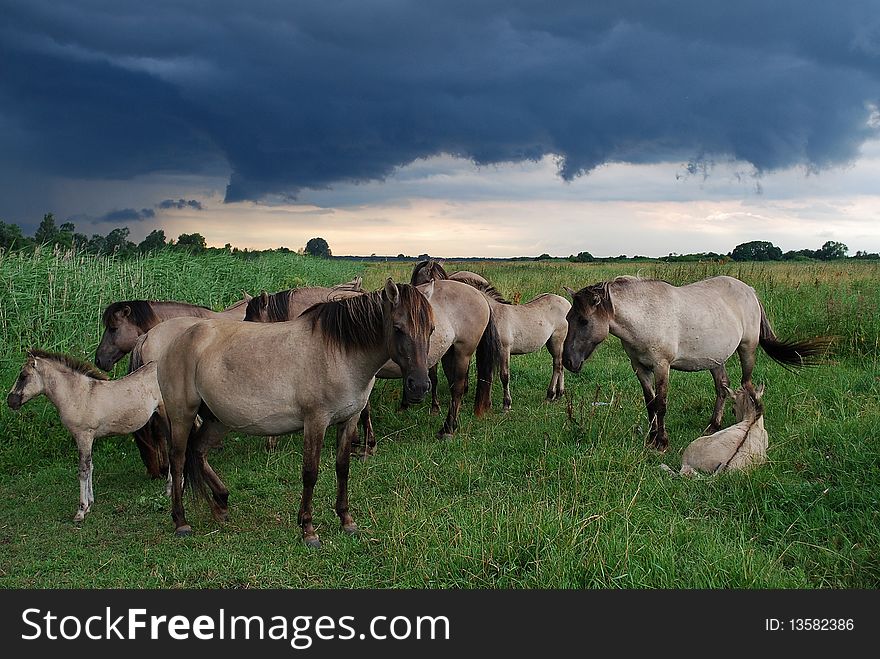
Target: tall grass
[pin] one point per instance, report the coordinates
(557, 495)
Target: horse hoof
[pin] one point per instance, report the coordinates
(351, 529)
(184, 531)
(434, 411)
(444, 435)
(312, 541)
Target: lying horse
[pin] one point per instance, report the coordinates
(736, 448)
(522, 328)
(124, 322)
(90, 405)
(696, 327)
(269, 379)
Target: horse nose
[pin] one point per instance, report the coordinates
(570, 364)
(417, 387)
(101, 362)
(14, 401)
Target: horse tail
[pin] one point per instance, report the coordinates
(488, 358)
(806, 352)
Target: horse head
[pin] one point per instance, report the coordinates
(124, 322)
(589, 321)
(409, 323)
(28, 384)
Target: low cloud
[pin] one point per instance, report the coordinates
(180, 204)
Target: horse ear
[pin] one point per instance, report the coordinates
(125, 311)
(264, 299)
(358, 281)
(391, 292)
(570, 292)
(759, 392)
(730, 392)
(428, 290)
(247, 296)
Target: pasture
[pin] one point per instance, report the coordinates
(549, 495)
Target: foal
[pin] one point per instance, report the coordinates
(736, 448)
(89, 404)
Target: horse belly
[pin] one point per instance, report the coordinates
(705, 350)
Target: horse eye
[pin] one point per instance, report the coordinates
(398, 329)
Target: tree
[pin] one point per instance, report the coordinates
(47, 232)
(582, 257)
(832, 250)
(11, 237)
(318, 247)
(117, 242)
(545, 256)
(756, 250)
(153, 242)
(194, 242)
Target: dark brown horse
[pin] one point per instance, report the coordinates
(269, 379)
(696, 327)
(125, 322)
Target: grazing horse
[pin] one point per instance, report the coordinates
(522, 328)
(736, 448)
(696, 327)
(464, 326)
(269, 379)
(89, 404)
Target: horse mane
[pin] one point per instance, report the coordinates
(357, 322)
(277, 308)
(74, 364)
(488, 289)
(436, 270)
(141, 314)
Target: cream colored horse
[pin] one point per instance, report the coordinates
(696, 327)
(522, 328)
(90, 405)
(269, 379)
(736, 448)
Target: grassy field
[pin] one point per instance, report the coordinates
(560, 495)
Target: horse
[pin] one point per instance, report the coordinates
(464, 326)
(739, 447)
(275, 378)
(124, 322)
(522, 328)
(90, 405)
(695, 327)
(287, 305)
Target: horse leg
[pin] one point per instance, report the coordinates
(557, 382)
(435, 397)
(504, 375)
(209, 435)
(368, 447)
(86, 496)
(313, 438)
(345, 432)
(652, 403)
(661, 385)
(149, 449)
(746, 354)
(722, 382)
(455, 367)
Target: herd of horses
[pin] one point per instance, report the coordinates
(307, 358)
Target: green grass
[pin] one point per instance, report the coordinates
(560, 495)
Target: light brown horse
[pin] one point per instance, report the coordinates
(464, 326)
(522, 328)
(287, 305)
(124, 322)
(696, 327)
(739, 447)
(306, 374)
(90, 405)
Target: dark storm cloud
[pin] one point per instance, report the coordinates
(180, 204)
(308, 94)
(128, 215)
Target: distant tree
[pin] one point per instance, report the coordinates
(582, 257)
(423, 257)
(401, 256)
(11, 237)
(756, 250)
(96, 244)
(543, 257)
(117, 242)
(154, 241)
(831, 251)
(866, 255)
(194, 242)
(318, 247)
(47, 232)
(799, 255)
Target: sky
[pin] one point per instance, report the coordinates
(447, 127)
